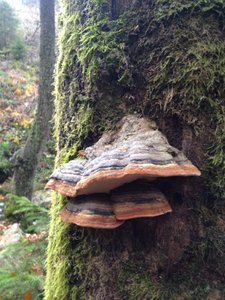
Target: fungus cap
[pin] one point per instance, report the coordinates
(134, 150)
(91, 211)
(139, 199)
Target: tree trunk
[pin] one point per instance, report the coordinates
(28, 160)
(164, 61)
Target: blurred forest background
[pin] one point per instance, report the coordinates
(23, 223)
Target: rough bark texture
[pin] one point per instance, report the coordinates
(28, 160)
(163, 60)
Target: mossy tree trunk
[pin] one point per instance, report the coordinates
(163, 60)
(28, 159)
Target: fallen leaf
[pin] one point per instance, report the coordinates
(26, 122)
(30, 90)
(2, 198)
(18, 92)
(28, 295)
(8, 109)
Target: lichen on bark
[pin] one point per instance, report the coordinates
(163, 60)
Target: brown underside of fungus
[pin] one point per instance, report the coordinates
(139, 199)
(91, 211)
(135, 150)
(108, 211)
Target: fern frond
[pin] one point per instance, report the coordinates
(34, 218)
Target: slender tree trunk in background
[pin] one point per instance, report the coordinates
(163, 60)
(28, 160)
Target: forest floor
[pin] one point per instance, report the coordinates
(24, 225)
(18, 93)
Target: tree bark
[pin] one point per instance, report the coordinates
(155, 60)
(30, 155)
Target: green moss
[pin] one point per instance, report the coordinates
(79, 260)
(172, 8)
(101, 45)
(183, 69)
(78, 128)
(62, 257)
(137, 285)
(58, 247)
(215, 166)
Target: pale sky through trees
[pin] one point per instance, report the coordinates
(15, 3)
(24, 12)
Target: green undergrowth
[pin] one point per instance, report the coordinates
(22, 270)
(32, 217)
(22, 264)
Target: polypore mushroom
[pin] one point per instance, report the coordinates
(63, 179)
(91, 211)
(138, 199)
(134, 150)
(108, 211)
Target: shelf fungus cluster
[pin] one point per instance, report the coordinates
(115, 179)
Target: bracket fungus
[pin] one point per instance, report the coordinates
(139, 199)
(91, 211)
(135, 150)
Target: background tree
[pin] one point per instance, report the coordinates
(163, 60)
(8, 25)
(30, 155)
(18, 49)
